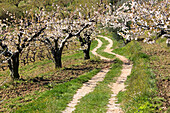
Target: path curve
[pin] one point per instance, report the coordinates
(119, 85)
(94, 51)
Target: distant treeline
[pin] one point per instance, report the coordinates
(18, 6)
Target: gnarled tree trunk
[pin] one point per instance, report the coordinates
(87, 52)
(57, 59)
(83, 42)
(13, 65)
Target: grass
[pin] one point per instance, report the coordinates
(57, 99)
(117, 42)
(141, 90)
(96, 101)
(13, 102)
(159, 58)
(93, 45)
(140, 95)
(9, 7)
(46, 67)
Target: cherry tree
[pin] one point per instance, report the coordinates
(138, 18)
(89, 14)
(16, 36)
(118, 21)
(60, 28)
(151, 18)
(85, 39)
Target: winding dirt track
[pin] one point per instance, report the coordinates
(91, 84)
(119, 85)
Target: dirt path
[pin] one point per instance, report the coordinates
(91, 84)
(88, 86)
(119, 85)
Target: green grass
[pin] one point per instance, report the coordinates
(57, 99)
(11, 8)
(141, 90)
(96, 101)
(11, 103)
(140, 95)
(76, 55)
(117, 42)
(101, 49)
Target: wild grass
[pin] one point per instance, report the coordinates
(59, 96)
(9, 7)
(46, 66)
(96, 101)
(117, 42)
(57, 99)
(93, 45)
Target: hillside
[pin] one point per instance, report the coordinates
(75, 56)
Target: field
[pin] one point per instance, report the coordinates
(84, 56)
(43, 81)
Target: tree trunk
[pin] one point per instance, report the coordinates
(101, 1)
(87, 52)
(13, 65)
(57, 59)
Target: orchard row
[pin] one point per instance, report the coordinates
(44, 33)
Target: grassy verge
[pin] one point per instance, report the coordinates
(148, 83)
(57, 99)
(93, 45)
(96, 101)
(159, 58)
(140, 95)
